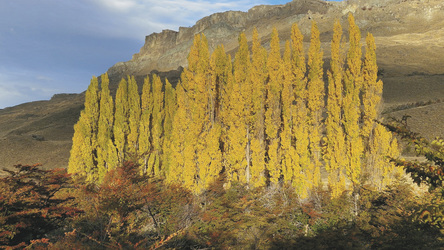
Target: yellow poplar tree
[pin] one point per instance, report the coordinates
(372, 88)
(145, 146)
(133, 116)
(237, 138)
(258, 77)
(226, 114)
(157, 115)
(219, 68)
(300, 128)
(210, 160)
(288, 152)
(273, 111)
(179, 140)
(382, 147)
(335, 154)
(213, 77)
(351, 105)
(210, 155)
(379, 142)
(221, 77)
(121, 129)
(169, 112)
(83, 152)
(195, 80)
(315, 103)
(106, 151)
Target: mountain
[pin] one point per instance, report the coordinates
(409, 36)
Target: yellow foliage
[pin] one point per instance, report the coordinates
(157, 116)
(106, 158)
(273, 107)
(170, 112)
(300, 128)
(288, 160)
(264, 115)
(121, 128)
(238, 110)
(133, 116)
(383, 146)
(178, 138)
(83, 152)
(315, 103)
(334, 153)
(258, 76)
(145, 147)
(352, 102)
(372, 88)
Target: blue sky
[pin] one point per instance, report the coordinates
(56, 46)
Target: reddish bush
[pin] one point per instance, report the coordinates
(32, 205)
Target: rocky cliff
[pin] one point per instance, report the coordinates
(384, 18)
(168, 50)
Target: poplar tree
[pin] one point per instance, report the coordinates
(226, 115)
(121, 129)
(106, 151)
(237, 134)
(210, 161)
(84, 150)
(133, 116)
(170, 108)
(145, 145)
(372, 88)
(210, 155)
(242, 75)
(351, 105)
(379, 143)
(195, 103)
(219, 77)
(213, 75)
(315, 103)
(382, 147)
(258, 77)
(288, 153)
(300, 128)
(187, 140)
(179, 141)
(335, 154)
(157, 116)
(273, 111)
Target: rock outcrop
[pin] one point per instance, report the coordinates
(168, 50)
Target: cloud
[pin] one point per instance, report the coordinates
(118, 5)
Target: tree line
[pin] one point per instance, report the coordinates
(262, 119)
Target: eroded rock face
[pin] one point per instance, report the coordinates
(169, 49)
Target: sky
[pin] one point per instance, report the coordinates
(55, 46)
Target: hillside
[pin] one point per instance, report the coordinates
(408, 37)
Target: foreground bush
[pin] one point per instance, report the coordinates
(45, 209)
(33, 206)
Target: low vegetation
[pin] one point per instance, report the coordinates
(47, 209)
